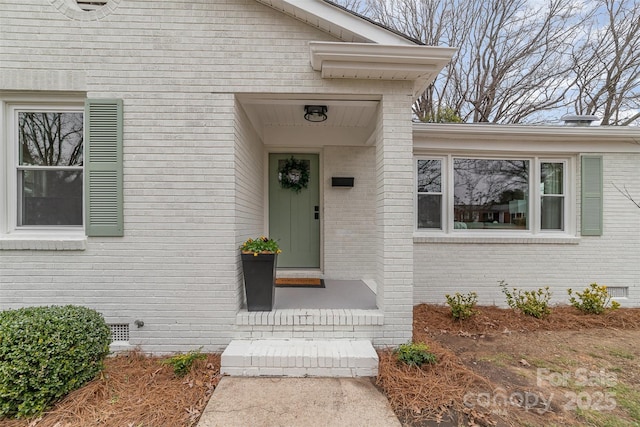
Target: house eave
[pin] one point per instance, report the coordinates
(337, 22)
(420, 64)
(490, 137)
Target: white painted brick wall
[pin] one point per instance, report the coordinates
(249, 176)
(612, 259)
(349, 213)
(394, 207)
(177, 65)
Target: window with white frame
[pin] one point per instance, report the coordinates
(46, 159)
(430, 193)
(467, 193)
(552, 199)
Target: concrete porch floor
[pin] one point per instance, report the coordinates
(339, 294)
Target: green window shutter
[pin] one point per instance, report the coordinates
(103, 169)
(592, 203)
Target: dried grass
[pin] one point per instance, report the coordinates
(135, 390)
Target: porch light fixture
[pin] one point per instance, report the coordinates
(315, 113)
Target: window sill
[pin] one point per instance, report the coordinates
(43, 242)
(493, 239)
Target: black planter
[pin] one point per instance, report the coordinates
(259, 280)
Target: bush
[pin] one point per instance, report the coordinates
(531, 303)
(181, 363)
(46, 352)
(462, 305)
(593, 300)
(415, 354)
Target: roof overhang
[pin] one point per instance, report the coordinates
(447, 137)
(337, 22)
(420, 64)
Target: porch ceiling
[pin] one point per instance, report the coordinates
(281, 121)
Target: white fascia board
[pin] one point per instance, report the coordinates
(359, 29)
(446, 137)
(418, 63)
(367, 52)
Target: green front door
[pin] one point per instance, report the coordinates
(294, 216)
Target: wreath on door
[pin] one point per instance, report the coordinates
(294, 174)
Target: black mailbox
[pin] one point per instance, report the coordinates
(341, 181)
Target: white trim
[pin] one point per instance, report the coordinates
(39, 236)
(568, 193)
(444, 220)
(525, 138)
(420, 237)
(448, 233)
(420, 64)
(44, 241)
(339, 23)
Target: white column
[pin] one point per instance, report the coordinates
(394, 217)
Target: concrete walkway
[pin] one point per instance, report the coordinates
(290, 402)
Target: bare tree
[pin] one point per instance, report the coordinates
(512, 59)
(434, 22)
(50, 139)
(359, 6)
(607, 65)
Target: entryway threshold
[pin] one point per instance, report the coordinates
(300, 272)
(311, 317)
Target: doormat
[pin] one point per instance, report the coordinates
(299, 282)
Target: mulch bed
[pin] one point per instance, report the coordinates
(435, 392)
(136, 389)
(435, 318)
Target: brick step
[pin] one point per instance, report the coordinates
(300, 358)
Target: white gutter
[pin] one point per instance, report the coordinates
(491, 137)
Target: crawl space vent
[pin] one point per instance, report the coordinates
(119, 332)
(618, 291)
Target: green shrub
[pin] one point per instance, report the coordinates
(181, 363)
(415, 354)
(531, 303)
(594, 300)
(462, 305)
(46, 352)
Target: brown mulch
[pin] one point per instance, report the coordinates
(435, 392)
(435, 318)
(135, 390)
(430, 392)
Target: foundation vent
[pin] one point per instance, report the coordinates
(119, 332)
(618, 291)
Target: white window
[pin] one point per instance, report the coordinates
(552, 199)
(458, 194)
(45, 167)
(430, 193)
